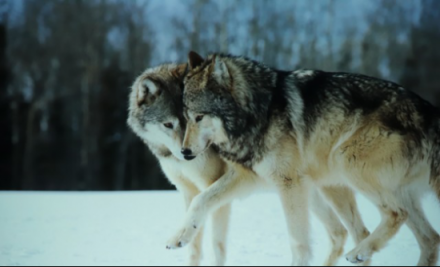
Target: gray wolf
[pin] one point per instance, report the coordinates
(156, 116)
(304, 130)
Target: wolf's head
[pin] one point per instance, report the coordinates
(215, 105)
(156, 109)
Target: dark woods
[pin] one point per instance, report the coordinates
(66, 68)
(64, 108)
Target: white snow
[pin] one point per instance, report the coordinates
(132, 229)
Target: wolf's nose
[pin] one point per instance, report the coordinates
(187, 152)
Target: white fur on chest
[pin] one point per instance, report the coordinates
(201, 172)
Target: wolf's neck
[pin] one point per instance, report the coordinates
(262, 104)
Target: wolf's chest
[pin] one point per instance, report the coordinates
(201, 172)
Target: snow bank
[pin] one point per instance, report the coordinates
(132, 229)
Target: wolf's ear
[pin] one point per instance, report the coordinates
(180, 71)
(220, 70)
(147, 92)
(194, 60)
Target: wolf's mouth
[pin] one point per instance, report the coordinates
(189, 158)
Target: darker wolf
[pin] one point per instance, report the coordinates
(307, 129)
(156, 116)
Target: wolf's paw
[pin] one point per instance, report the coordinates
(182, 238)
(359, 255)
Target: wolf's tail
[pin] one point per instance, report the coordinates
(435, 161)
(435, 184)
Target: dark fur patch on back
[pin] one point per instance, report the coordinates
(360, 94)
(279, 98)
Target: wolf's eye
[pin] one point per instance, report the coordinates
(168, 125)
(199, 118)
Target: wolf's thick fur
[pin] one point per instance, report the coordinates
(156, 100)
(306, 129)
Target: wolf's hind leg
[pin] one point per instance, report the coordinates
(426, 236)
(392, 219)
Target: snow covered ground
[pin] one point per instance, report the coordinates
(132, 229)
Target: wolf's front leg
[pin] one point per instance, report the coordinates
(220, 226)
(335, 229)
(294, 197)
(189, 192)
(232, 185)
(344, 203)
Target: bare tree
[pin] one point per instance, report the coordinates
(421, 65)
(67, 66)
(5, 107)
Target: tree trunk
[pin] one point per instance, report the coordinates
(5, 117)
(84, 180)
(28, 170)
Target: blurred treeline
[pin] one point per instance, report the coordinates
(66, 67)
